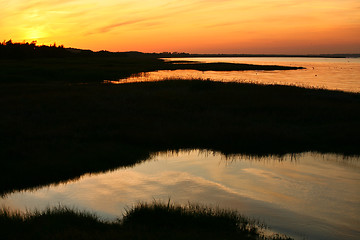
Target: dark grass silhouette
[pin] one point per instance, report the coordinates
(144, 221)
(55, 132)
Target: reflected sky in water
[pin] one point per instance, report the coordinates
(329, 73)
(305, 195)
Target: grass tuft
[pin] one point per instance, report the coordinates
(144, 221)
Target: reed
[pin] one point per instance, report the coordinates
(155, 220)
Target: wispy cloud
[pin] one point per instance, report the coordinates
(120, 24)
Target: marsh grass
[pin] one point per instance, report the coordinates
(144, 221)
(54, 223)
(54, 132)
(192, 216)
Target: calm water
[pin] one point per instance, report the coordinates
(330, 73)
(309, 195)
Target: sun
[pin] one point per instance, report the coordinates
(35, 33)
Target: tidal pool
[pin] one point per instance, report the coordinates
(306, 196)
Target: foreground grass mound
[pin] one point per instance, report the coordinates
(144, 221)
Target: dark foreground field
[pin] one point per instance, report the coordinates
(144, 221)
(51, 132)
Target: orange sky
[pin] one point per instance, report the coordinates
(195, 26)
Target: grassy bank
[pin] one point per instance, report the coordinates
(144, 221)
(54, 132)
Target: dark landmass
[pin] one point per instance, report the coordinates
(224, 67)
(144, 221)
(55, 132)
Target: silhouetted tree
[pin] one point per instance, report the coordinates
(9, 49)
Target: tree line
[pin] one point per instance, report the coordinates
(10, 49)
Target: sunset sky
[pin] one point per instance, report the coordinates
(195, 26)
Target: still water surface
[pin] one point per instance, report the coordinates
(309, 195)
(330, 73)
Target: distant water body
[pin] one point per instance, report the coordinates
(329, 73)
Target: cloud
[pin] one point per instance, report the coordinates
(22, 6)
(177, 22)
(120, 24)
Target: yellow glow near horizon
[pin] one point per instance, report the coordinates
(35, 34)
(198, 26)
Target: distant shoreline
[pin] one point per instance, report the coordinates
(188, 55)
(11, 49)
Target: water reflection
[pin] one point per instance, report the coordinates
(312, 195)
(336, 74)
